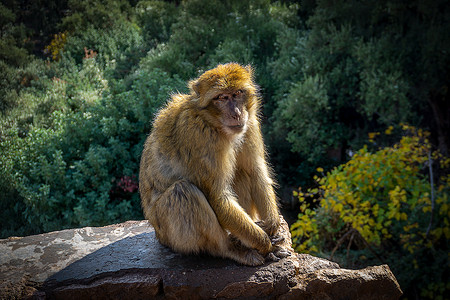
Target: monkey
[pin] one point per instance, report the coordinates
(204, 182)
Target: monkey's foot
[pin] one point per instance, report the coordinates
(272, 257)
(278, 254)
(253, 258)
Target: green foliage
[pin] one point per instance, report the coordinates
(382, 82)
(372, 60)
(156, 19)
(74, 126)
(302, 110)
(212, 32)
(383, 206)
(99, 14)
(72, 172)
(13, 55)
(117, 49)
(12, 44)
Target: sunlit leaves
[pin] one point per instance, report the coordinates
(384, 195)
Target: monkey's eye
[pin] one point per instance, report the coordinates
(238, 93)
(222, 97)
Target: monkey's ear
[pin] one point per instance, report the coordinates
(194, 86)
(200, 85)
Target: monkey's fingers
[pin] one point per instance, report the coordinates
(269, 228)
(276, 239)
(277, 254)
(272, 257)
(281, 252)
(260, 224)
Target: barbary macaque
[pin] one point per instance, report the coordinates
(204, 181)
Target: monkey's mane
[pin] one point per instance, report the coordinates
(230, 76)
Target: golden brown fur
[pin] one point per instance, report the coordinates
(204, 180)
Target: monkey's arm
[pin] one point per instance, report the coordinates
(264, 198)
(251, 160)
(232, 217)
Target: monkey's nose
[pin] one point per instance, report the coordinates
(237, 114)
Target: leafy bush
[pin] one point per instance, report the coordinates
(118, 49)
(81, 169)
(13, 55)
(371, 75)
(100, 14)
(301, 110)
(384, 207)
(156, 19)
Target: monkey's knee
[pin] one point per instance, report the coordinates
(188, 224)
(183, 190)
(185, 221)
(179, 204)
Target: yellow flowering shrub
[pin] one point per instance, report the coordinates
(387, 204)
(56, 45)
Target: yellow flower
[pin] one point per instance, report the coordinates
(372, 135)
(389, 130)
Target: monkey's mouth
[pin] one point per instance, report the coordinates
(236, 128)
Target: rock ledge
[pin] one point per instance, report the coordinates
(125, 261)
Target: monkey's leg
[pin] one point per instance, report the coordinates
(184, 221)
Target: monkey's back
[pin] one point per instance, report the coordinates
(157, 167)
(173, 147)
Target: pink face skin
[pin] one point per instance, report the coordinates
(234, 116)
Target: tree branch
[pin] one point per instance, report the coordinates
(430, 167)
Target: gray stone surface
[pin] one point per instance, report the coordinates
(125, 261)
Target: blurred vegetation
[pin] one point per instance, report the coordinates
(80, 82)
(382, 206)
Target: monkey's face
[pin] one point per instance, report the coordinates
(226, 95)
(232, 109)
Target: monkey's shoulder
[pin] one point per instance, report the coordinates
(180, 114)
(174, 105)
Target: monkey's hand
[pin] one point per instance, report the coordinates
(277, 254)
(269, 226)
(277, 239)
